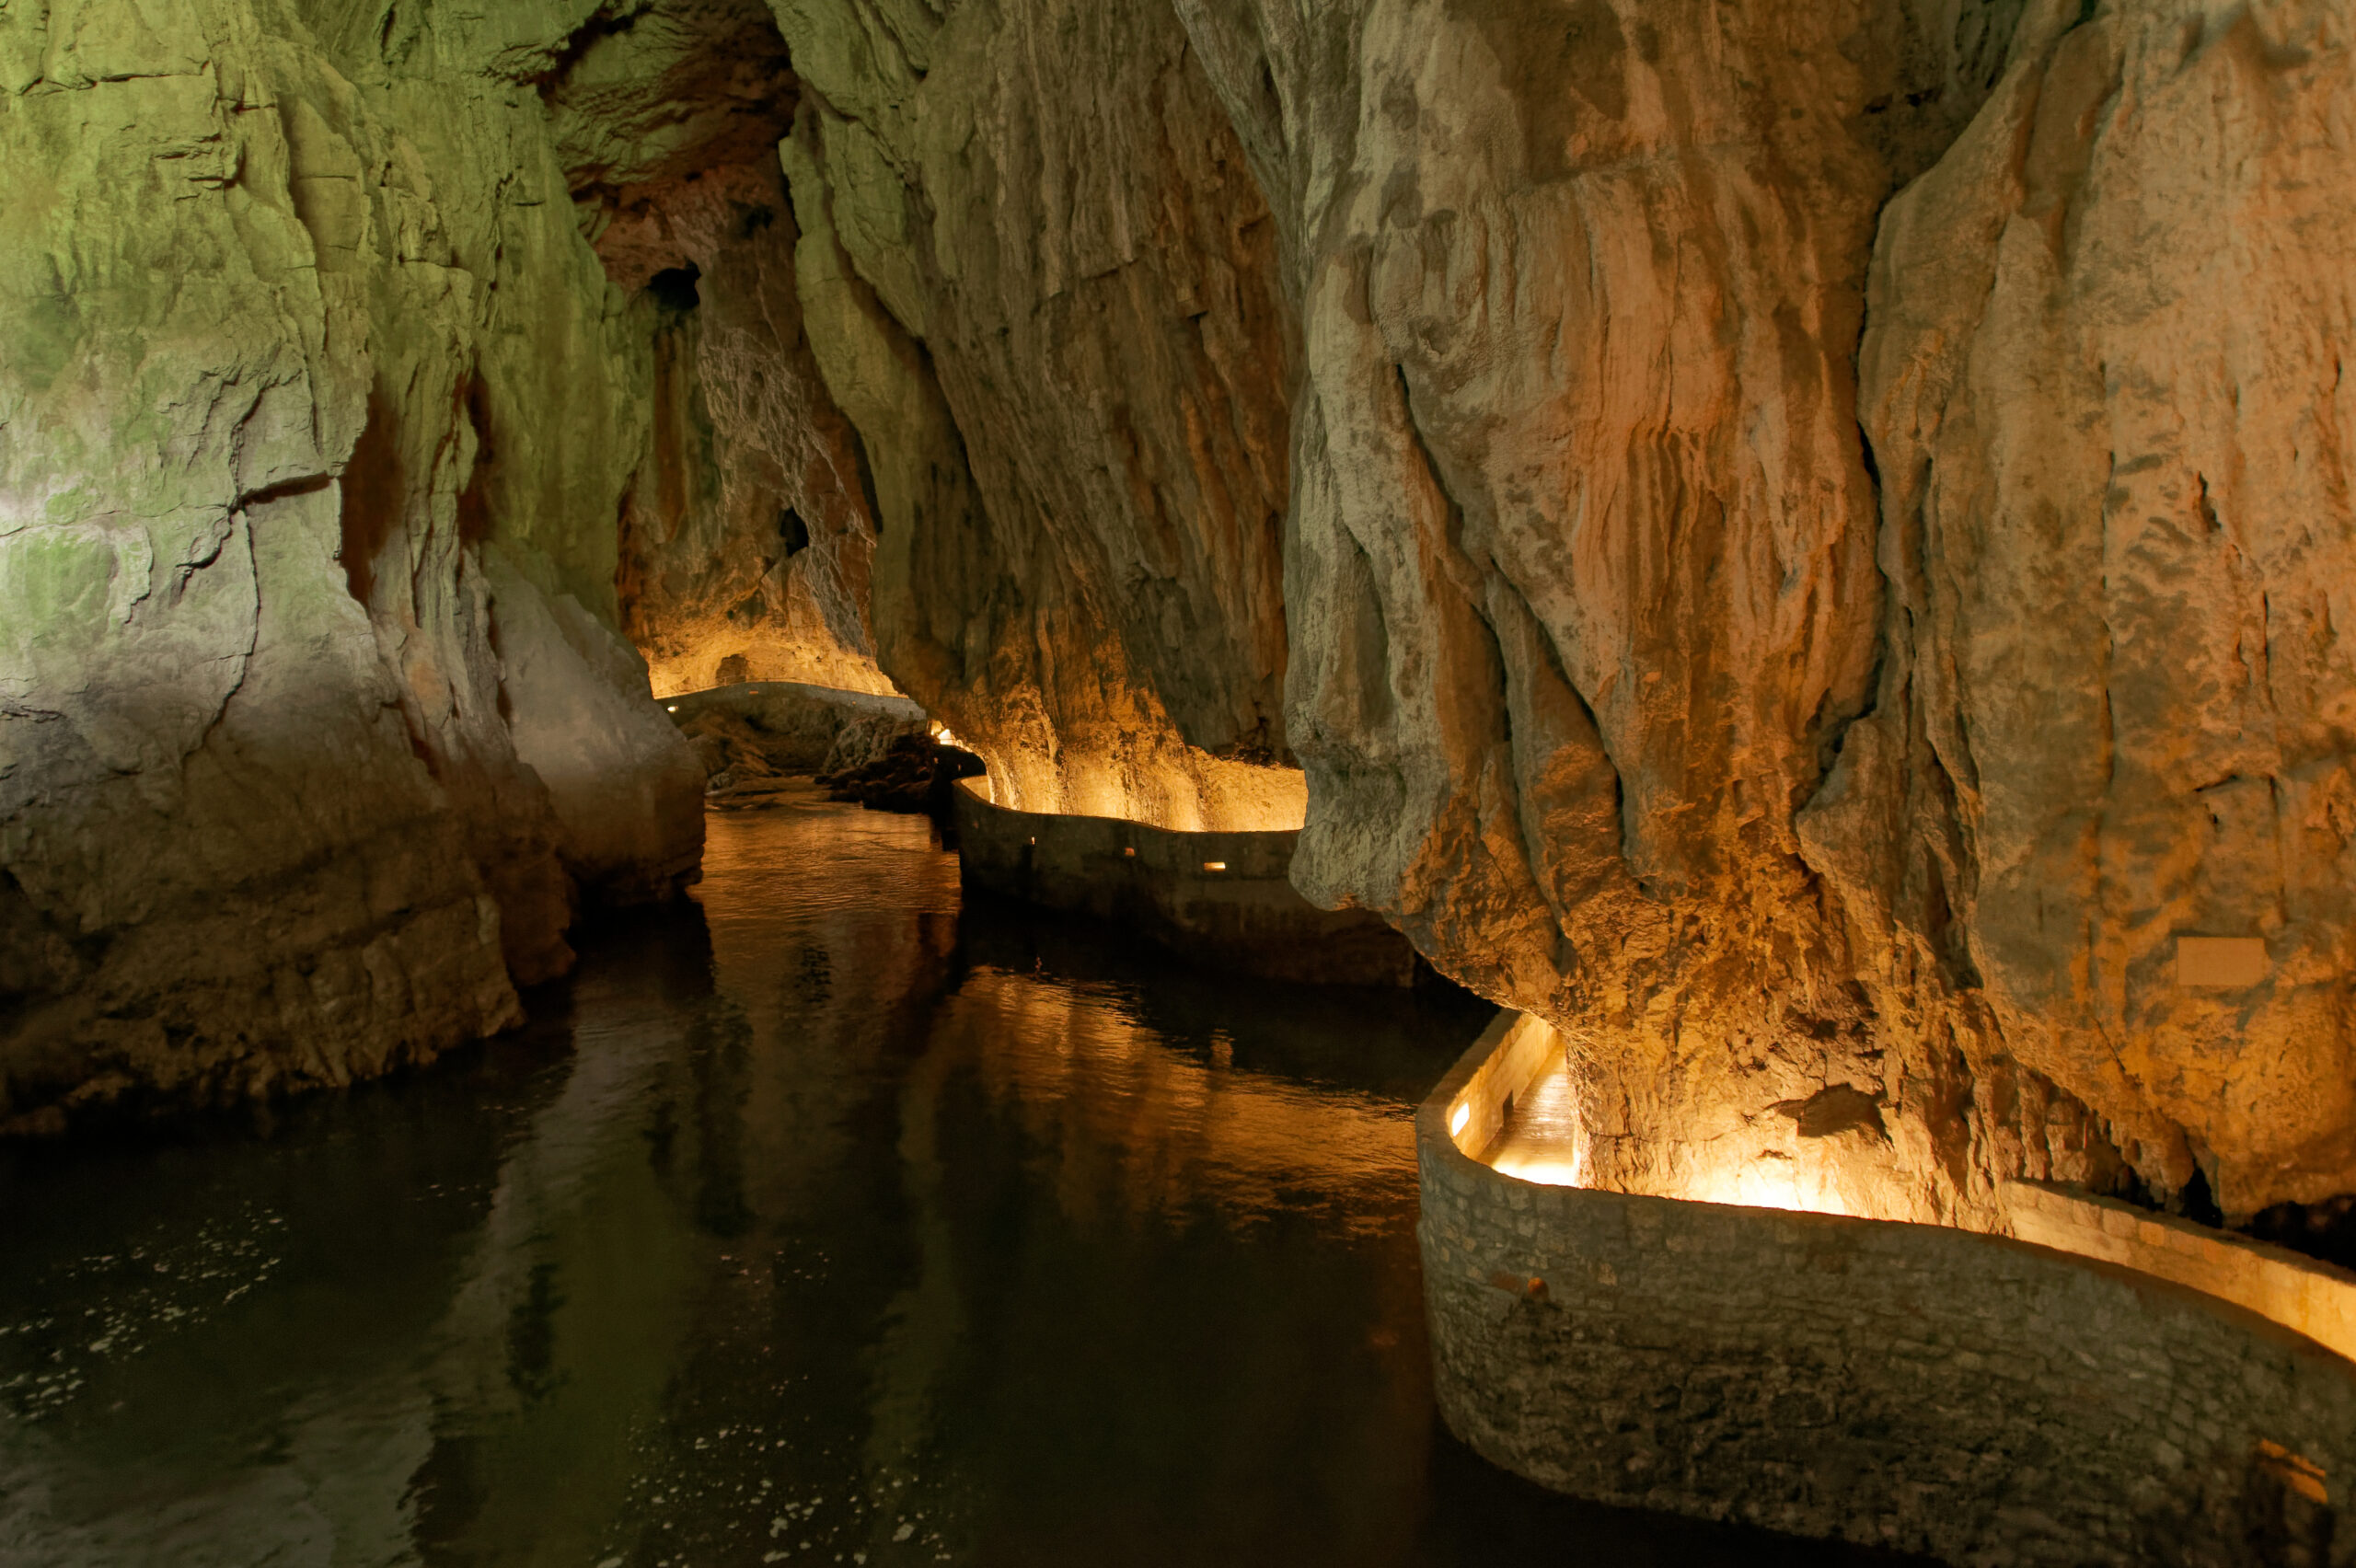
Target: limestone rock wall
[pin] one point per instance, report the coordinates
(2103, 375)
(1648, 670)
(1797, 543)
(1041, 282)
(745, 548)
(1581, 582)
(1592, 579)
(316, 419)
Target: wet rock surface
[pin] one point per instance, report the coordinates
(914, 775)
(756, 741)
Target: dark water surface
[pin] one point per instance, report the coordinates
(819, 1224)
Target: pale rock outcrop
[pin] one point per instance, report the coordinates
(762, 740)
(2105, 382)
(627, 797)
(1041, 282)
(302, 328)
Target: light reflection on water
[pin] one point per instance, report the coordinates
(825, 1226)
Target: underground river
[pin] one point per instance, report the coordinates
(817, 1221)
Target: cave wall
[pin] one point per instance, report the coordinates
(1842, 800)
(2104, 380)
(314, 721)
(1797, 544)
(1581, 580)
(1041, 282)
(745, 549)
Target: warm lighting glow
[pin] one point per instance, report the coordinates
(942, 735)
(1545, 1170)
(1527, 1081)
(1538, 1139)
(1129, 852)
(1198, 793)
(1214, 865)
(1762, 1182)
(674, 708)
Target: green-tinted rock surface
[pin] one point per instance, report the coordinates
(313, 718)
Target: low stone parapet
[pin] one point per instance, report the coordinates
(1937, 1390)
(1225, 898)
(2310, 1297)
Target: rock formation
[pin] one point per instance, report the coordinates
(1041, 282)
(1797, 543)
(757, 742)
(313, 718)
(1582, 587)
(1583, 598)
(745, 548)
(1605, 616)
(2104, 381)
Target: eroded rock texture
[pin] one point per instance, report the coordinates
(1041, 282)
(318, 415)
(1797, 542)
(1584, 589)
(2103, 378)
(1581, 582)
(745, 549)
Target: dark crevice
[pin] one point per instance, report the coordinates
(373, 485)
(284, 490)
(2325, 1229)
(601, 24)
(673, 288)
(866, 478)
(793, 531)
(474, 500)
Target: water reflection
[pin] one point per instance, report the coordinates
(825, 1226)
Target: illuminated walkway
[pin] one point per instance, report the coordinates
(2112, 1393)
(1539, 1140)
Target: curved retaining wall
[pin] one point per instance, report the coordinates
(1968, 1396)
(1225, 898)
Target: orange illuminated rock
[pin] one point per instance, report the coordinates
(1645, 694)
(2105, 800)
(1041, 282)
